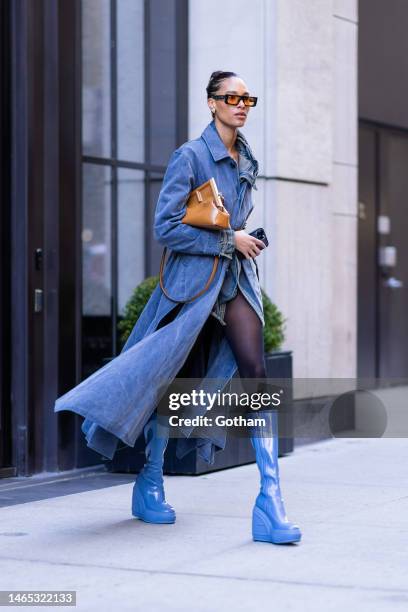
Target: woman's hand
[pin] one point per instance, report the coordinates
(248, 245)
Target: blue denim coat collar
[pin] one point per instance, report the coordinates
(249, 166)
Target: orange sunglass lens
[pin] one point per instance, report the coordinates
(249, 101)
(233, 99)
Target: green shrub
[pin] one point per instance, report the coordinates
(135, 305)
(274, 320)
(274, 325)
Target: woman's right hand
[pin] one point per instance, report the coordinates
(248, 245)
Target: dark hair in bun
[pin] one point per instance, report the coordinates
(215, 81)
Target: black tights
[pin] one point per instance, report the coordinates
(245, 336)
(244, 333)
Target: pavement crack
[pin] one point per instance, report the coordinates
(301, 583)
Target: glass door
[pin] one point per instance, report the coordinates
(113, 169)
(134, 96)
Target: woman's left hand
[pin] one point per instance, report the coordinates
(248, 245)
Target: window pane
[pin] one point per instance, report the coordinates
(166, 95)
(131, 232)
(96, 240)
(130, 73)
(96, 85)
(154, 248)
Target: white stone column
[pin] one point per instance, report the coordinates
(344, 188)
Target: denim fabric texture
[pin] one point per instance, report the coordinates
(119, 399)
(235, 276)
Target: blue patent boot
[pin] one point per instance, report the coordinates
(148, 499)
(269, 520)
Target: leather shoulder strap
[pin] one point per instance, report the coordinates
(207, 284)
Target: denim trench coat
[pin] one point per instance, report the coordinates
(119, 398)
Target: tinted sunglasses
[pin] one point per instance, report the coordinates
(234, 99)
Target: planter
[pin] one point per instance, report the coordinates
(238, 451)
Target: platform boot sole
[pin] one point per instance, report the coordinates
(140, 511)
(263, 531)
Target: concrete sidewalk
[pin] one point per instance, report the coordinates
(349, 497)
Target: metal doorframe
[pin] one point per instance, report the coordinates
(6, 467)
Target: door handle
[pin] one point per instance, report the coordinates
(38, 300)
(393, 283)
(38, 259)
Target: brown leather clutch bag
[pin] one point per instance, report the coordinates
(205, 208)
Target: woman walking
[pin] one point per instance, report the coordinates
(221, 330)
